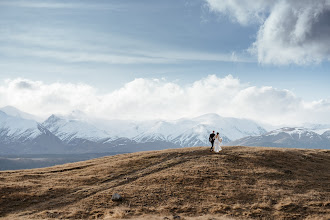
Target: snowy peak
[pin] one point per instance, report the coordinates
(317, 128)
(326, 134)
(293, 137)
(78, 133)
(52, 119)
(195, 131)
(233, 128)
(12, 111)
(295, 133)
(196, 136)
(17, 127)
(68, 129)
(18, 135)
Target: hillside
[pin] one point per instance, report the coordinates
(239, 183)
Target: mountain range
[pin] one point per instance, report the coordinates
(76, 133)
(292, 137)
(19, 135)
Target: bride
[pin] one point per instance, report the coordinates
(217, 142)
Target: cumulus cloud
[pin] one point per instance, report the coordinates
(242, 11)
(43, 99)
(143, 99)
(294, 31)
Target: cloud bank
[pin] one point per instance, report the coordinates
(145, 99)
(295, 31)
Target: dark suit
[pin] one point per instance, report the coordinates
(212, 139)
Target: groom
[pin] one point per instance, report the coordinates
(211, 139)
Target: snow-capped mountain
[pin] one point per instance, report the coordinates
(194, 132)
(287, 137)
(195, 136)
(233, 128)
(79, 133)
(326, 134)
(73, 130)
(16, 128)
(18, 135)
(76, 133)
(317, 128)
(122, 128)
(12, 111)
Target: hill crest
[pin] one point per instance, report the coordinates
(240, 182)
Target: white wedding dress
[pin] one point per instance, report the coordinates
(217, 143)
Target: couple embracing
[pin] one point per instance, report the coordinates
(215, 141)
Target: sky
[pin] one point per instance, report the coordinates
(151, 59)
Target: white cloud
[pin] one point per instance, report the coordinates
(242, 11)
(42, 99)
(294, 31)
(143, 99)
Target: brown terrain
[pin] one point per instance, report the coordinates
(188, 183)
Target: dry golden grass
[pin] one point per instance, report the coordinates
(238, 183)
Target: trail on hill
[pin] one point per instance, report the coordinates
(240, 182)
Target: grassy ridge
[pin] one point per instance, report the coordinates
(240, 182)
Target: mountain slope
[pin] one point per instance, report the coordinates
(233, 128)
(18, 135)
(326, 135)
(317, 128)
(77, 130)
(12, 111)
(240, 182)
(286, 137)
(74, 131)
(195, 131)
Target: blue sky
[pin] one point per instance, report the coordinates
(108, 44)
